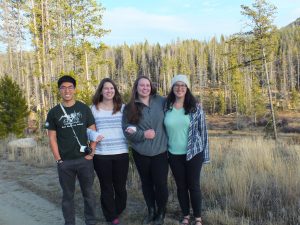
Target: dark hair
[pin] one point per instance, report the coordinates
(98, 97)
(189, 104)
(66, 78)
(134, 109)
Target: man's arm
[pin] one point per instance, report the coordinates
(92, 144)
(53, 144)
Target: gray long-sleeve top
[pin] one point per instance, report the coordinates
(152, 118)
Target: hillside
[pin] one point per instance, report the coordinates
(293, 24)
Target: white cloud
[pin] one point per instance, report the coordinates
(296, 12)
(133, 19)
(210, 5)
(191, 19)
(131, 25)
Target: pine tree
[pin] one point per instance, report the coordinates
(262, 35)
(13, 108)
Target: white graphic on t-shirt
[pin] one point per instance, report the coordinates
(71, 119)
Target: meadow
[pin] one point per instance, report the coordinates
(250, 180)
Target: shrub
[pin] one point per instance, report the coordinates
(13, 108)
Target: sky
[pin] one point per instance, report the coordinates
(164, 21)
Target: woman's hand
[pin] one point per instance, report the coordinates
(131, 130)
(149, 134)
(99, 138)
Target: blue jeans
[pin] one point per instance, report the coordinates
(67, 172)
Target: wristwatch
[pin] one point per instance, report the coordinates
(59, 161)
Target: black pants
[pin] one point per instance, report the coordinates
(153, 171)
(187, 178)
(67, 173)
(112, 172)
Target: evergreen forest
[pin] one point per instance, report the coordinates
(247, 73)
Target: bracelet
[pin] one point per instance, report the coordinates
(59, 161)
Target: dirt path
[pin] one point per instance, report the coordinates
(21, 206)
(31, 196)
(22, 195)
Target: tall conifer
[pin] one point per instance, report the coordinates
(13, 108)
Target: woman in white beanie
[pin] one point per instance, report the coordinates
(187, 145)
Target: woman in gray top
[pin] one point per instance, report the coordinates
(143, 125)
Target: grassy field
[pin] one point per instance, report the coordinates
(250, 180)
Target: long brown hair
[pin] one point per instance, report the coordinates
(134, 109)
(189, 104)
(117, 99)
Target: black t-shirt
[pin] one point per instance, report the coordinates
(80, 117)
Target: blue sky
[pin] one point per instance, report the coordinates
(164, 21)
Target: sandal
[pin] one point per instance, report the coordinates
(198, 221)
(185, 220)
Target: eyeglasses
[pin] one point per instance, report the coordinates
(180, 86)
(64, 88)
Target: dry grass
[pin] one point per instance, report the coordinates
(39, 156)
(254, 179)
(250, 180)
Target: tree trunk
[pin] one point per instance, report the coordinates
(49, 56)
(298, 72)
(44, 76)
(39, 97)
(62, 67)
(270, 94)
(86, 65)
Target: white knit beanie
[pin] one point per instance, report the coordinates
(182, 78)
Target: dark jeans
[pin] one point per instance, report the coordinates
(112, 172)
(153, 171)
(187, 178)
(67, 172)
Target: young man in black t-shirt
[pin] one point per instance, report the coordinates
(67, 123)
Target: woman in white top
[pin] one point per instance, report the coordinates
(111, 156)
